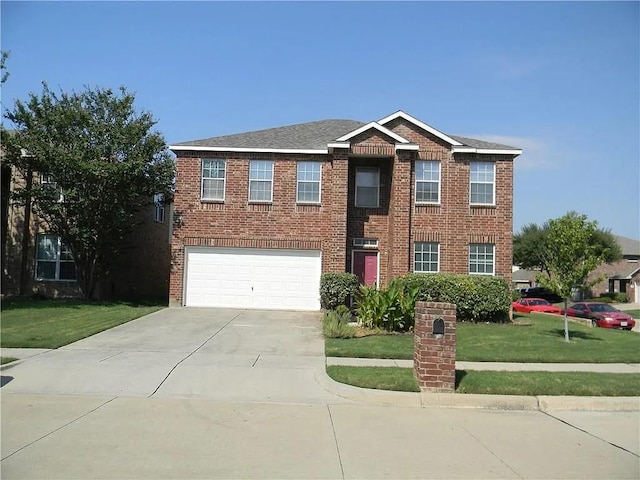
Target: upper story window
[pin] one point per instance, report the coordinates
(482, 188)
(309, 175)
(261, 181)
(53, 259)
(427, 182)
(48, 181)
(426, 257)
(158, 213)
(213, 179)
(482, 258)
(367, 187)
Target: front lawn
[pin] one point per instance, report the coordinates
(54, 323)
(534, 339)
(497, 383)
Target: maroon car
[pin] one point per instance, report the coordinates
(602, 315)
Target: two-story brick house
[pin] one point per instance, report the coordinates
(35, 262)
(260, 215)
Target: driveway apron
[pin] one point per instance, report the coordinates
(223, 354)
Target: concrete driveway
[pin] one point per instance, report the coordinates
(223, 354)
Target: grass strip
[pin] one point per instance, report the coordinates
(54, 323)
(497, 383)
(4, 360)
(533, 338)
(381, 378)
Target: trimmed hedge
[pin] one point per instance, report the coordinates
(336, 288)
(477, 298)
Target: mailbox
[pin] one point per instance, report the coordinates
(438, 327)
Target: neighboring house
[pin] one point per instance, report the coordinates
(36, 262)
(622, 276)
(522, 278)
(260, 215)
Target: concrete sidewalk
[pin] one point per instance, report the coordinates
(497, 366)
(67, 436)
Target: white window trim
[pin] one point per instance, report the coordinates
(159, 207)
(273, 168)
(428, 181)
(48, 179)
(202, 179)
(414, 258)
(365, 242)
(493, 265)
(377, 170)
(298, 181)
(493, 183)
(58, 262)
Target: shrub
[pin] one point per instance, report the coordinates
(336, 288)
(516, 295)
(611, 297)
(477, 298)
(392, 309)
(336, 325)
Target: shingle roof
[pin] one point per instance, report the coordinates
(629, 246)
(472, 142)
(307, 136)
(311, 135)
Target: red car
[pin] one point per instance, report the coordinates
(602, 315)
(528, 305)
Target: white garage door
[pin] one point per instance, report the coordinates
(252, 278)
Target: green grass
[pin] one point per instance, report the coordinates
(4, 360)
(540, 342)
(54, 323)
(497, 383)
(381, 378)
(634, 313)
(375, 346)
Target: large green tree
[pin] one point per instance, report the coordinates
(570, 253)
(529, 246)
(97, 160)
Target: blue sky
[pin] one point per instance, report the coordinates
(560, 80)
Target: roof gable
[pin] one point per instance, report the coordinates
(418, 123)
(375, 126)
(322, 136)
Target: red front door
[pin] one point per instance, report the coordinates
(365, 267)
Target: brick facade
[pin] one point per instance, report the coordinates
(396, 224)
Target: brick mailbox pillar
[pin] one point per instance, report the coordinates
(434, 354)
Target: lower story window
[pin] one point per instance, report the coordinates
(158, 203)
(53, 259)
(482, 258)
(426, 257)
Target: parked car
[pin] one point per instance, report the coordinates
(602, 315)
(528, 305)
(540, 292)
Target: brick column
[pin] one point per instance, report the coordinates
(399, 217)
(434, 359)
(334, 258)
